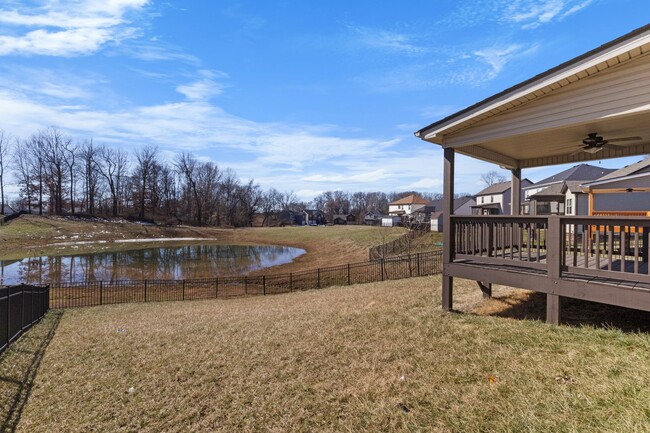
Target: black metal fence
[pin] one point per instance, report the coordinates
(20, 307)
(91, 293)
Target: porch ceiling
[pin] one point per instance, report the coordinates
(558, 146)
(543, 121)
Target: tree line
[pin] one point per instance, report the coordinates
(58, 175)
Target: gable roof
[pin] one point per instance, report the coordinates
(582, 172)
(410, 199)
(458, 202)
(542, 121)
(627, 170)
(497, 188)
(537, 78)
(555, 190)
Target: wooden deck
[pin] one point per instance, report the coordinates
(600, 259)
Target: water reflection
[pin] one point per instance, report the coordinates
(177, 263)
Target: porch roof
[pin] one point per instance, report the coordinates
(543, 120)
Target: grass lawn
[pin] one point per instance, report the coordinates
(376, 357)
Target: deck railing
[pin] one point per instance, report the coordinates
(614, 247)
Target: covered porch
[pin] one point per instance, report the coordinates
(579, 111)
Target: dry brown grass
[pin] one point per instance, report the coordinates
(377, 357)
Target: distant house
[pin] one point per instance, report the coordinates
(462, 205)
(623, 192)
(391, 221)
(406, 205)
(561, 194)
(290, 218)
(496, 199)
(373, 217)
(436, 222)
(344, 219)
(313, 217)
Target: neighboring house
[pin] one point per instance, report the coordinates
(290, 218)
(496, 199)
(373, 217)
(313, 217)
(436, 222)
(624, 192)
(462, 205)
(391, 221)
(561, 194)
(344, 219)
(406, 205)
(423, 214)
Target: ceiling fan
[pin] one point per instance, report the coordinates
(595, 143)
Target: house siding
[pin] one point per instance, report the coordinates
(625, 201)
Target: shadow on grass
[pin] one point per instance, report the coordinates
(573, 312)
(18, 367)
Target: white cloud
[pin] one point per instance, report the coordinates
(526, 14)
(497, 57)
(66, 29)
(424, 183)
(534, 13)
(204, 88)
(388, 41)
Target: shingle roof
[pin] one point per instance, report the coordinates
(554, 190)
(497, 188)
(410, 199)
(627, 170)
(458, 202)
(574, 186)
(583, 172)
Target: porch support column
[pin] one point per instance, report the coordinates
(554, 263)
(515, 192)
(448, 229)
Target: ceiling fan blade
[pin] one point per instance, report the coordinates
(625, 139)
(620, 145)
(577, 152)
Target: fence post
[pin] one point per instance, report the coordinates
(101, 293)
(8, 315)
(290, 281)
(245, 285)
(318, 276)
(418, 259)
(264, 283)
(216, 288)
(348, 274)
(183, 290)
(382, 269)
(145, 290)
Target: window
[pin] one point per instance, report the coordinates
(482, 200)
(569, 206)
(491, 199)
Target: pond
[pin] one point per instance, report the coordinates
(165, 262)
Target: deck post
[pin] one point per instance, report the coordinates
(486, 288)
(515, 192)
(554, 253)
(448, 229)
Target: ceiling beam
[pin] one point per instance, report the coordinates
(612, 152)
(489, 156)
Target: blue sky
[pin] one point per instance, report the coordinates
(304, 96)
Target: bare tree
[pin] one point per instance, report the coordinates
(146, 159)
(4, 154)
(186, 165)
(492, 177)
